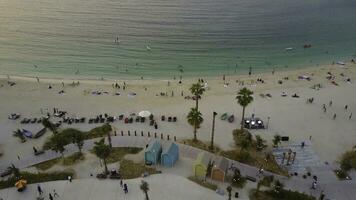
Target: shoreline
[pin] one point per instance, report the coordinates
(85, 79)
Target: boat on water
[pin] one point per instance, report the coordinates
(223, 116)
(306, 46)
(148, 48)
(231, 118)
(289, 48)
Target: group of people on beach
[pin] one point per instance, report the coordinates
(334, 116)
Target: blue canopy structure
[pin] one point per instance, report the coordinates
(153, 153)
(170, 155)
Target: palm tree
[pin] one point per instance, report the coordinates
(102, 151)
(276, 140)
(244, 97)
(260, 143)
(197, 90)
(48, 124)
(195, 119)
(78, 139)
(229, 189)
(145, 188)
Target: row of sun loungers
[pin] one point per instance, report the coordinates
(31, 120)
(169, 119)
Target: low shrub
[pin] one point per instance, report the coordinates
(203, 183)
(36, 178)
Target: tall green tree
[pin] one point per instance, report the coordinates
(197, 90)
(260, 143)
(276, 140)
(244, 98)
(78, 139)
(145, 188)
(102, 151)
(58, 143)
(195, 119)
(48, 124)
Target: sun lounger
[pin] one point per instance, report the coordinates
(126, 120)
(40, 132)
(250, 178)
(163, 118)
(231, 118)
(152, 122)
(174, 119)
(121, 117)
(143, 119)
(223, 116)
(137, 119)
(169, 119)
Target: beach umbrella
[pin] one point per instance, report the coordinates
(21, 184)
(144, 113)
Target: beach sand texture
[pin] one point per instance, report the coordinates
(289, 116)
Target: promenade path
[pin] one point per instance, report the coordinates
(333, 188)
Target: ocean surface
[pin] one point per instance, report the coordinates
(166, 38)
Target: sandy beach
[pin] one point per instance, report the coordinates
(289, 116)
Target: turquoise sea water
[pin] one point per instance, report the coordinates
(59, 38)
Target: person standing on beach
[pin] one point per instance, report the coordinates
(334, 117)
(350, 116)
(324, 108)
(330, 103)
(346, 106)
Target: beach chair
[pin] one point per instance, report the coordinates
(121, 117)
(143, 119)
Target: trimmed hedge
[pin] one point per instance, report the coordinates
(36, 178)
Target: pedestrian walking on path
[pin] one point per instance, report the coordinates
(126, 190)
(55, 194)
(39, 189)
(121, 183)
(50, 196)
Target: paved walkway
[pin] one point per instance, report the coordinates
(343, 190)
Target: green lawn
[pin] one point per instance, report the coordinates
(203, 183)
(36, 178)
(67, 161)
(282, 195)
(117, 153)
(130, 170)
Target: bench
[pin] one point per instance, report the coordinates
(250, 178)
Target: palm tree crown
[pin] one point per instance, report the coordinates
(244, 97)
(195, 119)
(197, 90)
(102, 151)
